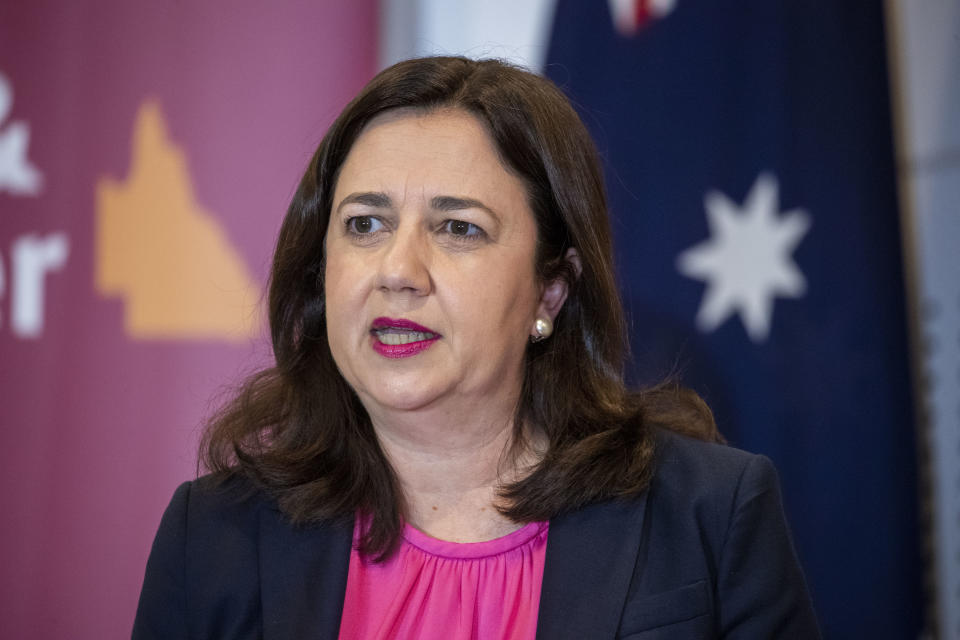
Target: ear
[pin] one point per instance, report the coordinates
(555, 292)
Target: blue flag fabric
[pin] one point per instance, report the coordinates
(752, 187)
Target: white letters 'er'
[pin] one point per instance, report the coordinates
(32, 258)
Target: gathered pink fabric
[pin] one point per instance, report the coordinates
(433, 589)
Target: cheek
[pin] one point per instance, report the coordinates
(502, 305)
(341, 315)
(343, 278)
(341, 297)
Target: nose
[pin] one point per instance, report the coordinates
(404, 264)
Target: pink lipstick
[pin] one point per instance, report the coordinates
(400, 338)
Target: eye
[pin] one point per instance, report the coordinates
(463, 229)
(363, 225)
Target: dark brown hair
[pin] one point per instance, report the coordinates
(300, 431)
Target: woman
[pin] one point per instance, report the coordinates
(445, 447)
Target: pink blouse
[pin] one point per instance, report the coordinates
(433, 589)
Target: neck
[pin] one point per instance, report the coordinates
(451, 464)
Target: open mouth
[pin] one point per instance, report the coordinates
(399, 338)
(394, 337)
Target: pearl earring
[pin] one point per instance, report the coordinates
(544, 329)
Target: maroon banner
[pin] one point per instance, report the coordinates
(147, 155)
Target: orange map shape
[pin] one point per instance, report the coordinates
(166, 256)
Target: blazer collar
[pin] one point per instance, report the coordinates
(591, 556)
(303, 577)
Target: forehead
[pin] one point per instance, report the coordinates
(442, 152)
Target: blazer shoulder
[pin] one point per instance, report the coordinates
(715, 513)
(213, 514)
(231, 497)
(697, 490)
(720, 471)
(202, 577)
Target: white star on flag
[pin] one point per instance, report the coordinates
(747, 260)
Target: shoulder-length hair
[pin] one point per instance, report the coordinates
(300, 431)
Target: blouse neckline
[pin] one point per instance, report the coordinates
(473, 550)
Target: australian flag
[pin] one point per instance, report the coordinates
(752, 185)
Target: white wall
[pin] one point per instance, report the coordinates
(517, 30)
(924, 52)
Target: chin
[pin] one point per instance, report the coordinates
(403, 395)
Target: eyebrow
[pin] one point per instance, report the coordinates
(367, 198)
(453, 203)
(381, 200)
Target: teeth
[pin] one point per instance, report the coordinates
(393, 338)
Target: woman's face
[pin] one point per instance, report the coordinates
(430, 287)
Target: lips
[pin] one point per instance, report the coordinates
(400, 338)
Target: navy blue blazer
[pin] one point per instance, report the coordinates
(703, 553)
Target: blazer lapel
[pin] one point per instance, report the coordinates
(591, 556)
(303, 577)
